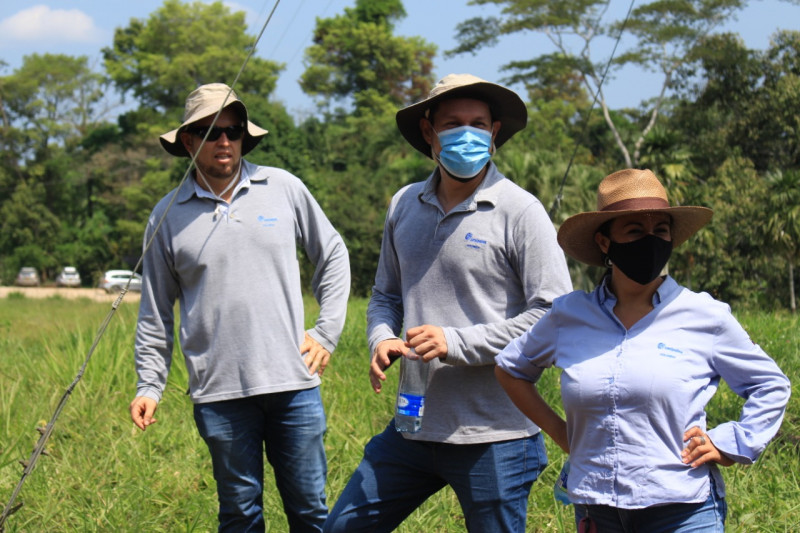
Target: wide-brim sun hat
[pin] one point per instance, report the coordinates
(622, 193)
(505, 105)
(204, 102)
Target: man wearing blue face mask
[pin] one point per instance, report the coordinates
(468, 262)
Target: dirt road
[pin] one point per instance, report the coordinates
(98, 295)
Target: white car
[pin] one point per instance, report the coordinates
(114, 281)
(27, 277)
(68, 277)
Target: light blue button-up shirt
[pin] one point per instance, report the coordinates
(629, 395)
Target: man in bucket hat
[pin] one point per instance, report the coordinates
(468, 262)
(227, 250)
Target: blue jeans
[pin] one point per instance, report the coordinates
(289, 426)
(706, 517)
(492, 482)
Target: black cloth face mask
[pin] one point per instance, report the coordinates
(641, 260)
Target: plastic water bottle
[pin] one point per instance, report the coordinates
(410, 404)
(560, 486)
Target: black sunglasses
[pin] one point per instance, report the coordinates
(233, 133)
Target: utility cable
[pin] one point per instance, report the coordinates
(582, 136)
(29, 465)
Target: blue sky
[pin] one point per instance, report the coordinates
(84, 27)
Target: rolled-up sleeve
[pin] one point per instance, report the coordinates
(528, 355)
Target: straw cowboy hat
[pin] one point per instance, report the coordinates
(622, 193)
(204, 102)
(504, 104)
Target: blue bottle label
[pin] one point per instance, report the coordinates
(560, 486)
(410, 404)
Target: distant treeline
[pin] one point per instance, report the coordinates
(78, 177)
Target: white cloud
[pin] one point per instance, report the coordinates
(40, 23)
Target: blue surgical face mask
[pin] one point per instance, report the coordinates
(465, 151)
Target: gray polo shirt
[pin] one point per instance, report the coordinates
(485, 272)
(236, 273)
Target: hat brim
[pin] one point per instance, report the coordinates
(172, 143)
(505, 104)
(576, 234)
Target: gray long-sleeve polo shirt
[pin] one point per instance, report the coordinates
(485, 272)
(237, 277)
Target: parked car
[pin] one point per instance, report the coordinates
(68, 277)
(115, 280)
(27, 277)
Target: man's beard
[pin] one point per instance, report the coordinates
(217, 172)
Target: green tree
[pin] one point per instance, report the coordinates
(739, 112)
(716, 85)
(51, 98)
(180, 46)
(769, 130)
(664, 31)
(29, 231)
(741, 102)
(727, 258)
(356, 55)
(358, 163)
(782, 228)
(50, 104)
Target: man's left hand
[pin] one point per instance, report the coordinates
(315, 356)
(428, 341)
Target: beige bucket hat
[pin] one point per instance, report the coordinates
(506, 106)
(622, 193)
(204, 102)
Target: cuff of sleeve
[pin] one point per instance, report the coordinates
(724, 438)
(325, 343)
(453, 356)
(149, 392)
(378, 335)
(507, 363)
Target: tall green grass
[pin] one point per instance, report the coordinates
(102, 474)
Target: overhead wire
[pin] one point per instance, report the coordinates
(29, 465)
(581, 137)
(10, 508)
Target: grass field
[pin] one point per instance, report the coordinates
(102, 474)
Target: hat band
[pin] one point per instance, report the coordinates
(637, 204)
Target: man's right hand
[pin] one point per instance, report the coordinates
(142, 411)
(384, 355)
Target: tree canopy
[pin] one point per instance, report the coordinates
(356, 55)
(78, 182)
(180, 46)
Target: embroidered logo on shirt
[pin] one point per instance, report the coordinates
(473, 242)
(267, 222)
(668, 351)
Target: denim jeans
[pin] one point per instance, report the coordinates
(289, 426)
(706, 517)
(492, 482)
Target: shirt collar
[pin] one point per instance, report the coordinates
(190, 187)
(665, 292)
(488, 191)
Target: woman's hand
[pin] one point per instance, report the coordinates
(700, 450)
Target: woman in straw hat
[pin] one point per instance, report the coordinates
(641, 357)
